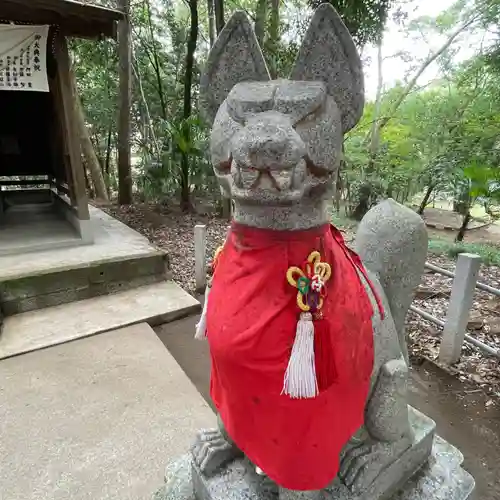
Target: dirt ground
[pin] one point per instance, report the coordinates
(479, 230)
(488, 234)
(459, 409)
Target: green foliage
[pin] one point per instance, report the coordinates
(159, 35)
(365, 19)
(95, 68)
(159, 41)
(444, 136)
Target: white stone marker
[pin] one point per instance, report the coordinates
(462, 293)
(200, 245)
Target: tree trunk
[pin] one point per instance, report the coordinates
(375, 131)
(188, 79)
(156, 63)
(260, 21)
(364, 202)
(148, 122)
(90, 156)
(461, 202)
(219, 15)
(88, 185)
(274, 37)
(460, 207)
(219, 24)
(463, 228)
(338, 192)
(425, 200)
(347, 199)
(211, 22)
(124, 133)
(366, 191)
(107, 161)
(87, 147)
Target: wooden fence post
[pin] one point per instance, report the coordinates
(457, 317)
(200, 245)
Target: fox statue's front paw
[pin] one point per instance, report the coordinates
(361, 464)
(211, 451)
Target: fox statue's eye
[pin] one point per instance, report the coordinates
(247, 99)
(299, 99)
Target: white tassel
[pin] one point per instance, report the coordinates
(201, 326)
(300, 377)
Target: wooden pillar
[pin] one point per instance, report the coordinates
(76, 181)
(63, 140)
(1, 204)
(125, 56)
(219, 15)
(60, 164)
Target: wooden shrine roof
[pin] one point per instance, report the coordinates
(73, 17)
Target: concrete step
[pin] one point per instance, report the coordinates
(49, 288)
(120, 259)
(154, 304)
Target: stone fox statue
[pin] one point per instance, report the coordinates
(309, 361)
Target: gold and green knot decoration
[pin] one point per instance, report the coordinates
(310, 282)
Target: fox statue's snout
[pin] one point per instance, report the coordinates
(268, 142)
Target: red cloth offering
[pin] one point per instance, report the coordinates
(251, 324)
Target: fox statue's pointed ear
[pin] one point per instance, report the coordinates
(235, 57)
(328, 54)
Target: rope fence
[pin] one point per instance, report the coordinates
(462, 292)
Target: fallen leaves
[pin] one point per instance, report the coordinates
(484, 325)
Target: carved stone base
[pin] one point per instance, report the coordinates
(440, 478)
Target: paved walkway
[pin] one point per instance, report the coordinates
(459, 410)
(95, 419)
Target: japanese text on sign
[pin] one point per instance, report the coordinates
(23, 58)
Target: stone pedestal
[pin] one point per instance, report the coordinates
(430, 469)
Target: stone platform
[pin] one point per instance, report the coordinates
(410, 477)
(35, 228)
(119, 259)
(52, 297)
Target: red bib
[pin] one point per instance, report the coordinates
(251, 323)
